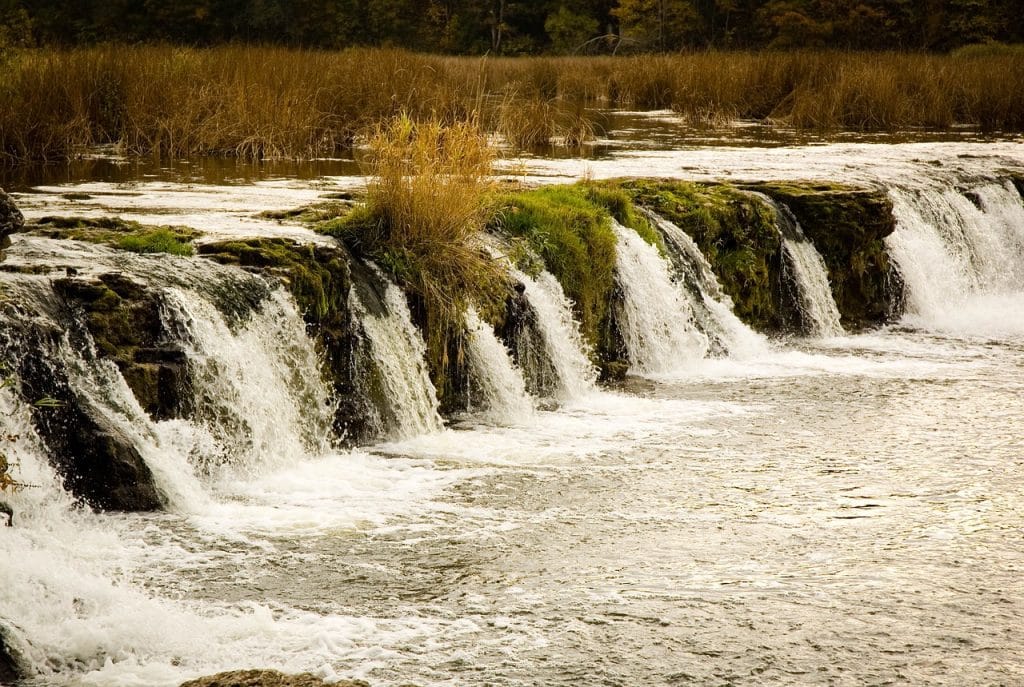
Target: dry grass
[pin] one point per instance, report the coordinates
(259, 102)
(424, 219)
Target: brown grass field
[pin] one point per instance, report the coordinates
(265, 102)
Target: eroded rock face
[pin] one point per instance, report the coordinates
(124, 319)
(11, 219)
(267, 678)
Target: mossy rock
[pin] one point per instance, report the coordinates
(736, 233)
(267, 678)
(118, 233)
(126, 324)
(319, 277)
(338, 205)
(570, 229)
(848, 226)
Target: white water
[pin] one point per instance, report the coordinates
(716, 319)
(398, 352)
(260, 403)
(963, 265)
(497, 392)
(817, 304)
(657, 321)
(708, 531)
(563, 342)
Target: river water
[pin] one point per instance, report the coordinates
(842, 510)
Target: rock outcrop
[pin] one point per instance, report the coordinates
(848, 227)
(11, 220)
(267, 678)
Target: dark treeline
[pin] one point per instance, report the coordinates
(514, 27)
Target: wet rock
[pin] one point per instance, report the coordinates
(267, 678)
(10, 664)
(124, 319)
(11, 219)
(97, 461)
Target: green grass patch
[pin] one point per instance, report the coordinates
(120, 233)
(569, 227)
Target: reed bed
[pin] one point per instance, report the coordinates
(263, 102)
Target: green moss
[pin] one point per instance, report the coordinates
(119, 233)
(848, 226)
(573, 236)
(159, 240)
(314, 213)
(735, 232)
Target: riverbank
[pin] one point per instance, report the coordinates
(264, 102)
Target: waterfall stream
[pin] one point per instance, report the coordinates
(497, 391)
(713, 309)
(657, 319)
(563, 345)
(961, 255)
(817, 304)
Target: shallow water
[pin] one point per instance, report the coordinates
(842, 513)
(837, 511)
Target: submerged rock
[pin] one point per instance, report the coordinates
(11, 219)
(267, 678)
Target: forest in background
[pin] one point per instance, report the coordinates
(520, 27)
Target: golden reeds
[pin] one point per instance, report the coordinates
(260, 102)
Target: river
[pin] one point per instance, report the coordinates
(843, 509)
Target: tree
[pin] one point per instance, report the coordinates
(568, 30)
(659, 24)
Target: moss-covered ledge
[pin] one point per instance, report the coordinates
(736, 233)
(319, 277)
(848, 226)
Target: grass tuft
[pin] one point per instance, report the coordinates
(423, 222)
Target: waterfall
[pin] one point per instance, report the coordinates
(818, 309)
(497, 391)
(657, 321)
(260, 402)
(961, 256)
(713, 308)
(394, 370)
(564, 348)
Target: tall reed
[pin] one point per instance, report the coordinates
(260, 102)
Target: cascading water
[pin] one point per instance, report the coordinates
(564, 348)
(961, 256)
(497, 392)
(258, 392)
(657, 321)
(398, 384)
(817, 304)
(713, 309)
